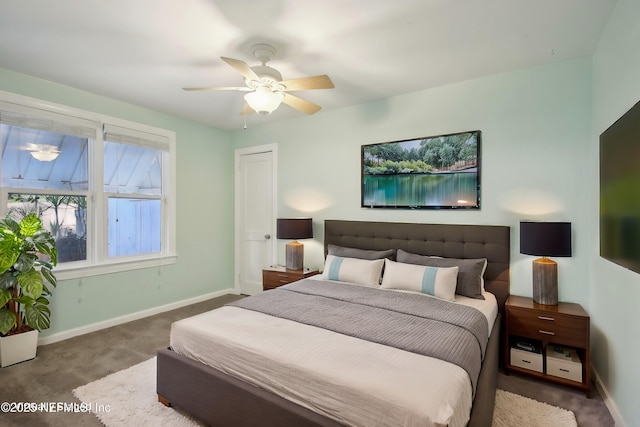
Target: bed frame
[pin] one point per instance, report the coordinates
(221, 400)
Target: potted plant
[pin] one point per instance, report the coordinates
(27, 255)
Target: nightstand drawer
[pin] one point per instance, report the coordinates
(546, 326)
(569, 368)
(275, 277)
(526, 360)
(568, 371)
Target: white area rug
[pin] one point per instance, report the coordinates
(513, 410)
(130, 394)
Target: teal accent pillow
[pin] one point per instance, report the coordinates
(353, 270)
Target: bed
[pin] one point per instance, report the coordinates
(227, 393)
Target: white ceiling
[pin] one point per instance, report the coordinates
(144, 51)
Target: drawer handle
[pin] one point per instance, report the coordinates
(551, 319)
(564, 370)
(526, 361)
(546, 332)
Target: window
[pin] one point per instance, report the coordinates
(102, 186)
(133, 165)
(63, 214)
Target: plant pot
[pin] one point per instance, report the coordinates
(18, 348)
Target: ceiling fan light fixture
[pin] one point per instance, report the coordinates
(263, 100)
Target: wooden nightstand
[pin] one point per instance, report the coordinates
(272, 277)
(565, 324)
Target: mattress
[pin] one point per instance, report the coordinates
(353, 381)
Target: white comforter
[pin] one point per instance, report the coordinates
(354, 381)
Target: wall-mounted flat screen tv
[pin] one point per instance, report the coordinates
(432, 172)
(620, 191)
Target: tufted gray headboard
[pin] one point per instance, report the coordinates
(445, 240)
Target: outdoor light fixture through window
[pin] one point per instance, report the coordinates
(45, 153)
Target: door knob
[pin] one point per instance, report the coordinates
(267, 236)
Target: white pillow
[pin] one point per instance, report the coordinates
(439, 282)
(353, 270)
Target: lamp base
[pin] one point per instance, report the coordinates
(545, 281)
(295, 255)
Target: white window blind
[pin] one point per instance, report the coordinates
(124, 135)
(49, 121)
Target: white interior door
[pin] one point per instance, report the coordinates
(255, 201)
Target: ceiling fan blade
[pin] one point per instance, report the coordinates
(242, 68)
(243, 89)
(247, 110)
(300, 104)
(306, 83)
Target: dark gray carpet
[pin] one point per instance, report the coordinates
(63, 366)
(589, 412)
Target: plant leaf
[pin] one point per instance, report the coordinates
(10, 224)
(5, 296)
(9, 252)
(8, 280)
(25, 300)
(7, 320)
(25, 262)
(50, 278)
(37, 316)
(29, 225)
(31, 283)
(46, 244)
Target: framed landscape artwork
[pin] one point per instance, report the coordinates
(433, 172)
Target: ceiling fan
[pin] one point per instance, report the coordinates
(266, 87)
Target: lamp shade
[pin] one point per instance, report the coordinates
(548, 239)
(294, 228)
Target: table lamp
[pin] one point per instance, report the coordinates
(294, 228)
(545, 239)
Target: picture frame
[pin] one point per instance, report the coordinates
(432, 172)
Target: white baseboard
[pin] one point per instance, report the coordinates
(608, 401)
(61, 336)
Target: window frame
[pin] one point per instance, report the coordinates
(97, 261)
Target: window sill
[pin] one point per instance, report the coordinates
(80, 270)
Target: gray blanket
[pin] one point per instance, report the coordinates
(427, 326)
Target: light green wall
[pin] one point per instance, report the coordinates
(535, 128)
(204, 218)
(615, 291)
